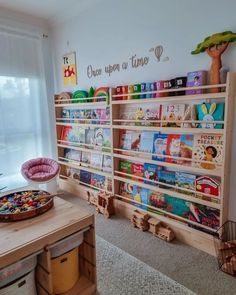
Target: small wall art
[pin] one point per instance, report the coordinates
(69, 69)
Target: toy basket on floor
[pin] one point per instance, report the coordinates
(225, 245)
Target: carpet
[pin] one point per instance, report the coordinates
(119, 273)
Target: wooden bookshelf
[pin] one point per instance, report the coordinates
(182, 226)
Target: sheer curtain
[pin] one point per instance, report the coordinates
(24, 114)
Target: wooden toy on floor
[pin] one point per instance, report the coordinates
(160, 230)
(105, 204)
(140, 220)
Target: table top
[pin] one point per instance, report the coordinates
(19, 239)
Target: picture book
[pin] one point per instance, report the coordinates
(88, 114)
(148, 113)
(126, 190)
(89, 137)
(127, 113)
(186, 181)
(85, 158)
(65, 133)
(186, 149)
(194, 79)
(106, 138)
(125, 167)
(172, 113)
(65, 114)
(125, 139)
(73, 173)
(140, 195)
(137, 170)
(107, 163)
(72, 155)
(173, 147)
(85, 176)
(157, 199)
(209, 112)
(166, 177)
(135, 140)
(208, 148)
(96, 161)
(159, 146)
(98, 181)
(150, 172)
(146, 142)
(98, 137)
(81, 134)
(208, 185)
(75, 115)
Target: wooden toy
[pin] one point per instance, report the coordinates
(160, 230)
(24, 205)
(140, 220)
(105, 204)
(92, 198)
(215, 45)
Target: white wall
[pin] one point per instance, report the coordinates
(110, 32)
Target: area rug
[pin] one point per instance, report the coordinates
(119, 273)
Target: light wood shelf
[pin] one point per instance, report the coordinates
(222, 170)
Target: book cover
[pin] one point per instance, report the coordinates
(157, 199)
(96, 115)
(81, 135)
(85, 159)
(186, 149)
(125, 139)
(73, 173)
(98, 137)
(89, 137)
(85, 176)
(107, 163)
(65, 133)
(185, 180)
(194, 79)
(140, 195)
(137, 170)
(135, 140)
(172, 113)
(126, 190)
(72, 155)
(146, 141)
(96, 161)
(65, 114)
(150, 172)
(159, 146)
(208, 148)
(208, 185)
(173, 147)
(166, 177)
(210, 112)
(125, 167)
(98, 181)
(106, 138)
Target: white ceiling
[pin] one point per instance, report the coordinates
(46, 9)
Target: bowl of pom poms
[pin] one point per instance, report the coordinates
(24, 204)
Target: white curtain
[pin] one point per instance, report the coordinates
(24, 114)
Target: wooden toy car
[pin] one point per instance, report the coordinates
(160, 230)
(140, 220)
(105, 204)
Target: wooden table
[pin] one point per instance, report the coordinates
(23, 238)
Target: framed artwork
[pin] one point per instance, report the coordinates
(69, 69)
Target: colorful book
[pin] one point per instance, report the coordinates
(126, 190)
(159, 146)
(137, 170)
(195, 79)
(96, 161)
(208, 148)
(107, 163)
(135, 140)
(125, 139)
(151, 173)
(72, 155)
(171, 113)
(146, 141)
(85, 159)
(106, 138)
(65, 133)
(140, 195)
(81, 135)
(166, 177)
(208, 185)
(173, 147)
(85, 176)
(65, 114)
(98, 181)
(125, 167)
(186, 149)
(210, 112)
(186, 181)
(73, 173)
(89, 137)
